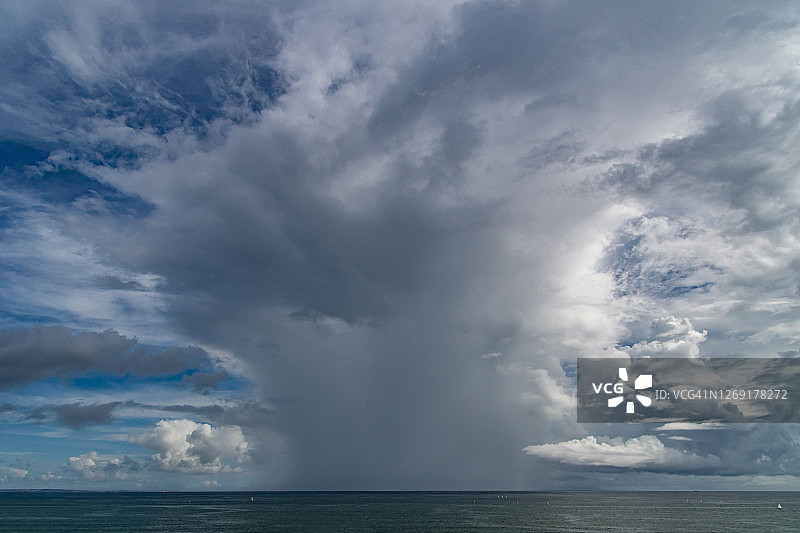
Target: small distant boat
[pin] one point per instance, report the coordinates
(252, 499)
(779, 506)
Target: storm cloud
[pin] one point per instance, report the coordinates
(396, 225)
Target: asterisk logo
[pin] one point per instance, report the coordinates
(644, 381)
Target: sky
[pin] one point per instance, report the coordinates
(360, 245)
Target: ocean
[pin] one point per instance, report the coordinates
(63, 511)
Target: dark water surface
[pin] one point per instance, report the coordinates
(57, 511)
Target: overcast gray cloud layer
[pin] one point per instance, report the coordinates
(422, 217)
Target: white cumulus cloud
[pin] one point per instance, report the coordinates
(672, 337)
(545, 395)
(12, 473)
(95, 467)
(646, 452)
(186, 446)
(691, 426)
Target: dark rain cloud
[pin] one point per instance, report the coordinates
(34, 354)
(247, 413)
(76, 415)
(410, 237)
(389, 366)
